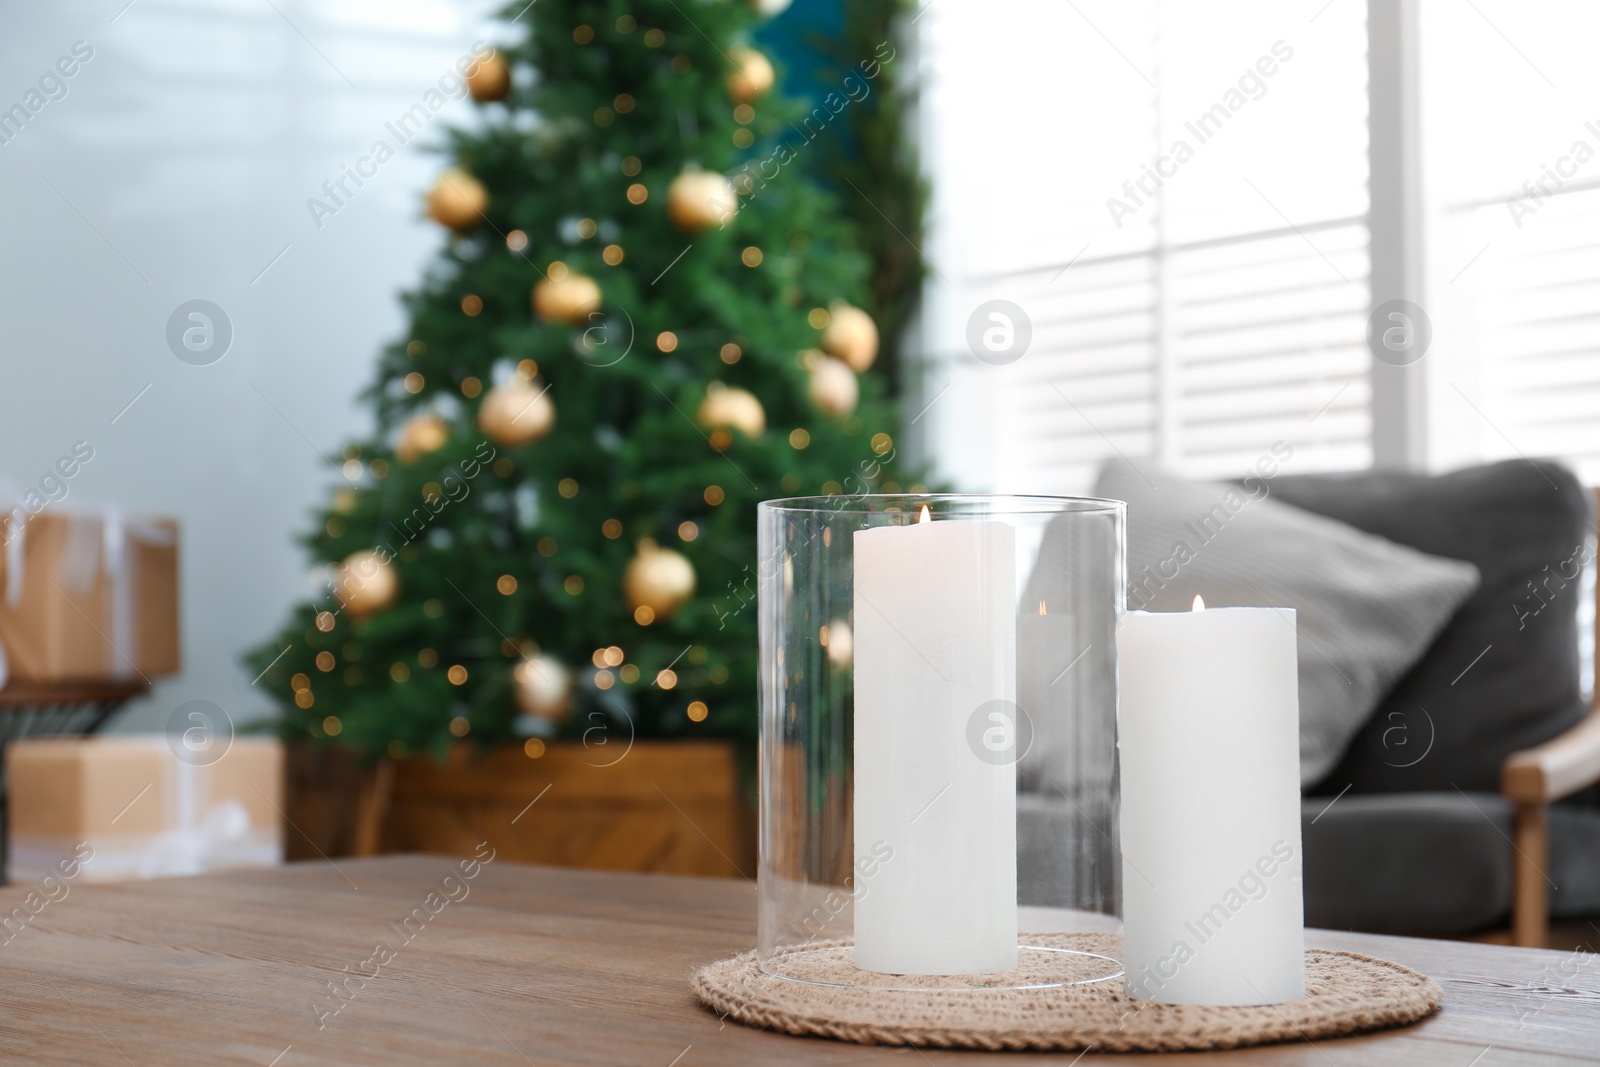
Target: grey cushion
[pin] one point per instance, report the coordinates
(1520, 523)
(1435, 863)
(1366, 607)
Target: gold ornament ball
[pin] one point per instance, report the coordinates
(543, 688)
(516, 413)
(841, 643)
(457, 200)
(852, 336)
(833, 386)
(420, 435)
(367, 583)
(489, 79)
(659, 579)
(700, 199)
(726, 407)
(571, 299)
(752, 75)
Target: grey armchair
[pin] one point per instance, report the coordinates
(1461, 807)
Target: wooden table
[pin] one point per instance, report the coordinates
(542, 966)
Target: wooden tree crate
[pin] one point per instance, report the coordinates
(668, 807)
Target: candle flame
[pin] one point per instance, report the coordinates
(924, 517)
(1199, 604)
(1041, 608)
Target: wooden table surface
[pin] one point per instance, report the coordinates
(542, 966)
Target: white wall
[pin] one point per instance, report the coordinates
(184, 153)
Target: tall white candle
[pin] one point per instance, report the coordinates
(1208, 748)
(1044, 652)
(935, 820)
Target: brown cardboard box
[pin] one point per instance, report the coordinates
(87, 596)
(128, 807)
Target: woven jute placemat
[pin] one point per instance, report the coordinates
(1346, 993)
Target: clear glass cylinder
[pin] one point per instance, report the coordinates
(938, 736)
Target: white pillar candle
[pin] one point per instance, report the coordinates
(1209, 754)
(935, 818)
(1044, 652)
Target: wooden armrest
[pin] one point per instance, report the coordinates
(1559, 767)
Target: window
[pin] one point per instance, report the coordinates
(1512, 113)
(1218, 300)
(1176, 198)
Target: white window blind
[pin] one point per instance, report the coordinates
(1512, 107)
(1175, 195)
(1536, 308)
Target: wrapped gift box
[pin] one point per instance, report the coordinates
(89, 595)
(130, 808)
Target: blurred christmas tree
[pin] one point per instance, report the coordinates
(873, 167)
(642, 324)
